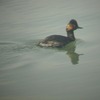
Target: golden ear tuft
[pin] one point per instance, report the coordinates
(69, 27)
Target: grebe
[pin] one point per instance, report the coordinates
(59, 40)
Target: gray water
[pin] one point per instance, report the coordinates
(28, 72)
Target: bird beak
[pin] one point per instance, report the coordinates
(80, 27)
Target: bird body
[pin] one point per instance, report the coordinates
(59, 40)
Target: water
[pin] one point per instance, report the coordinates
(28, 72)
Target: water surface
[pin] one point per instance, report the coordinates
(28, 72)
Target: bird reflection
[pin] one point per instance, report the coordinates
(70, 48)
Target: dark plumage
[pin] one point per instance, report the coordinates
(59, 40)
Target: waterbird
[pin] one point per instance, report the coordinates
(59, 40)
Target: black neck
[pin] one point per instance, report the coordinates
(70, 34)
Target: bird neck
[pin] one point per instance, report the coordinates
(70, 34)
